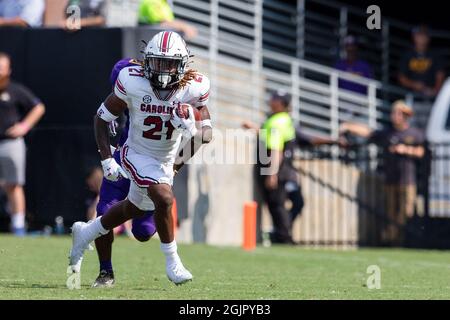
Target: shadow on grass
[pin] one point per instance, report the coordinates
(21, 285)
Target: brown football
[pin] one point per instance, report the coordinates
(182, 111)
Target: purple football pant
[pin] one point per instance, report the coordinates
(112, 192)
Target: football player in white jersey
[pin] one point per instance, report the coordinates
(153, 95)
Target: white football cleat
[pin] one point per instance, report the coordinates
(79, 245)
(178, 274)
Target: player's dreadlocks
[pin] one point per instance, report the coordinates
(188, 76)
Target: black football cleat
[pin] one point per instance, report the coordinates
(104, 280)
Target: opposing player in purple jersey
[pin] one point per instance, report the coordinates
(112, 192)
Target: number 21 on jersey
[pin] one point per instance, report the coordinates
(155, 133)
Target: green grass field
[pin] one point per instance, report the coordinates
(35, 268)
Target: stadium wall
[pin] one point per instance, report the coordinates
(69, 72)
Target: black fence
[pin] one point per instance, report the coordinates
(350, 201)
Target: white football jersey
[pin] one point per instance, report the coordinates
(151, 132)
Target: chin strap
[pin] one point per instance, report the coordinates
(164, 80)
(157, 84)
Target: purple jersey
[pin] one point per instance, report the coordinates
(127, 62)
(358, 67)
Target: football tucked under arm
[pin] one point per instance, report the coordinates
(187, 119)
(183, 110)
(202, 119)
(189, 148)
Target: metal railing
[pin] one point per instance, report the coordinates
(319, 104)
(229, 50)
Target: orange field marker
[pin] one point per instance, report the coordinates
(249, 242)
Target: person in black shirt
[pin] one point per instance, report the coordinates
(401, 145)
(20, 110)
(420, 69)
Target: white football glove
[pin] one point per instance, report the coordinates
(112, 171)
(187, 126)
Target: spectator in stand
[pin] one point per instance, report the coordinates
(402, 145)
(21, 13)
(420, 69)
(20, 110)
(92, 14)
(351, 63)
(159, 12)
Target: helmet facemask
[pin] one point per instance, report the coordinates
(163, 71)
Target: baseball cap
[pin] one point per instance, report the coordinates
(283, 96)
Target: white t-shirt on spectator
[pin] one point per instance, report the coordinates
(32, 11)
